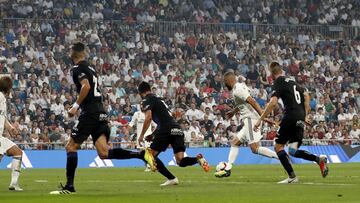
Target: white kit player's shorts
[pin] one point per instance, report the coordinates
(5, 145)
(142, 145)
(247, 134)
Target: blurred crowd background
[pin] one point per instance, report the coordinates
(182, 48)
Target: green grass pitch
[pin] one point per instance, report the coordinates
(248, 183)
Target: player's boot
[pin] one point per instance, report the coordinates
(15, 188)
(64, 190)
(174, 181)
(323, 166)
(222, 173)
(203, 163)
(289, 180)
(149, 158)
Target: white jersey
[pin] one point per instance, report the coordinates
(240, 93)
(3, 113)
(138, 119)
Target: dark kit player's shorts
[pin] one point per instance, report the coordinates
(290, 131)
(90, 124)
(173, 137)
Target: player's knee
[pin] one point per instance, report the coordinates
(103, 154)
(70, 147)
(278, 148)
(254, 149)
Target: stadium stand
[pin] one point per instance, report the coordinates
(182, 48)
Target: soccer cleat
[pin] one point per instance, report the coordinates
(203, 163)
(222, 173)
(15, 188)
(174, 181)
(64, 190)
(289, 180)
(323, 166)
(149, 158)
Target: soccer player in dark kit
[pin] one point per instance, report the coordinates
(168, 132)
(92, 121)
(296, 102)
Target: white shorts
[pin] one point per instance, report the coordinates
(5, 145)
(247, 134)
(143, 145)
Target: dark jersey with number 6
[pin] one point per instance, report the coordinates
(93, 101)
(293, 97)
(161, 114)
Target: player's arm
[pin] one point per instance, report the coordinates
(9, 127)
(231, 113)
(132, 122)
(307, 103)
(254, 104)
(269, 108)
(147, 122)
(84, 91)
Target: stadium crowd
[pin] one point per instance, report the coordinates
(185, 68)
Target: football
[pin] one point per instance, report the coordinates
(221, 166)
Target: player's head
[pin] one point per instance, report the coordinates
(275, 69)
(144, 88)
(229, 79)
(78, 52)
(5, 85)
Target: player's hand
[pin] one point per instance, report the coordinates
(14, 131)
(257, 125)
(72, 111)
(141, 139)
(230, 114)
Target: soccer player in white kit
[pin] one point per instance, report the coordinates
(138, 119)
(7, 147)
(250, 112)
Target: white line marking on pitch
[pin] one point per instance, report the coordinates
(41, 181)
(220, 182)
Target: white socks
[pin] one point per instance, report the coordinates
(267, 152)
(15, 167)
(234, 151)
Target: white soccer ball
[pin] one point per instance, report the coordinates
(221, 166)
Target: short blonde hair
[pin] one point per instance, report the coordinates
(275, 68)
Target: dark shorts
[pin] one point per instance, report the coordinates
(90, 124)
(290, 131)
(173, 137)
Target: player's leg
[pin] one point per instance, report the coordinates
(71, 147)
(160, 144)
(178, 144)
(254, 140)
(16, 153)
(298, 153)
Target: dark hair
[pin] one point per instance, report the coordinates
(144, 87)
(78, 47)
(5, 84)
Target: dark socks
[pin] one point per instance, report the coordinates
(284, 159)
(163, 170)
(119, 153)
(71, 164)
(188, 161)
(306, 155)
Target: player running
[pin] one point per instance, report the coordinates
(296, 102)
(168, 132)
(93, 120)
(250, 111)
(7, 146)
(138, 121)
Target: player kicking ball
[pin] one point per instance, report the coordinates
(250, 111)
(92, 121)
(7, 146)
(168, 132)
(296, 102)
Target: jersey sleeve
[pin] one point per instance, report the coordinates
(277, 90)
(148, 104)
(80, 74)
(242, 92)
